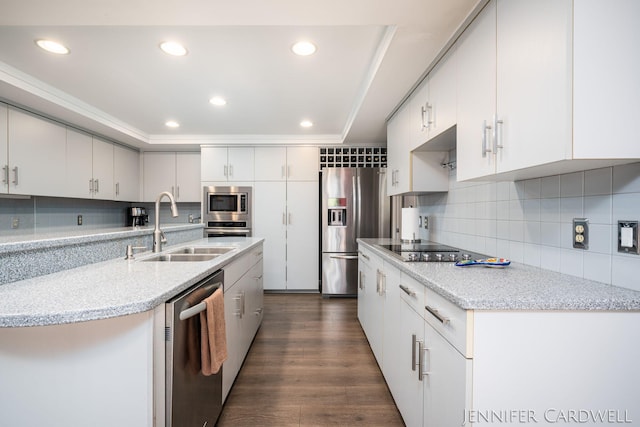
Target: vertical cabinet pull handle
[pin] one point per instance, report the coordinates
(429, 109)
(177, 192)
(415, 345)
(97, 185)
(485, 128)
(117, 188)
(91, 186)
(15, 175)
(225, 171)
(497, 134)
(230, 171)
(5, 174)
(422, 350)
(289, 218)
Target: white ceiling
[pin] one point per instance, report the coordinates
(116, 82)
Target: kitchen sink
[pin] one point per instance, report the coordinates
(209, 250)
(181, 257)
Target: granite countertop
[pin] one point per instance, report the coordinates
(74, 236)
(110, 288)
(516, 287)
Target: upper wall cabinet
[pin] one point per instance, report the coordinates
(89, 171)
(535, 77)
(439, 112)
(177, 173)
(408, 170)
(4, 150)
(126, 174)
(227, 163)
(36, 155)
(286, 164)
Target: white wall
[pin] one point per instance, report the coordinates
(531, 221)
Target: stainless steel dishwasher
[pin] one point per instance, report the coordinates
(192, 399)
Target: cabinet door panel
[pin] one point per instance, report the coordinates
(476, 80)
(4, 163)
(126, 172)
(445, 385)
(269, 221)
(534, 98)
(79, 165)
(411, 397)
(214, 164)
(302, 164)
(103, 170)
(391, 342)
(37, 148)
(270, 163)
(241, 164)
(188, 177)
(442, 94)
(159, 174)
(302, 235)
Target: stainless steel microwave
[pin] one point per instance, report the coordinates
(226, 201)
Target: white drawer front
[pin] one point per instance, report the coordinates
(453, 322)
(412, 292)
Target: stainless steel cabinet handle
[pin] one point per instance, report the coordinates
(497, 134)
(364, 255)
(230, 170)
(383, 285)
(91, 186)
(226, 170)
(422, 372)
(117, 188)
(415, 344)
(177, 192)
(289, 218)
(258, 311)
(360, 285)
(97, 185)
(437, 315)
(239, 304)
(485, 128)
(15, 175)
(408, 291)
(258, 277)
(288, 171)
(5, 174)
(429, 108)
(378, 282)
(423, 110)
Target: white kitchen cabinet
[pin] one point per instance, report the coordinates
(4, 150)
(302, 236)
(409, 168)
(270, 201)
(371, 298)
(90, 167)
(177, 173)
(286, 163)
(439, 113)
(288, 220)
(227, 163)
(391, 340)
(526, 90)
(36, 155)
(126, 174)
(243, 311)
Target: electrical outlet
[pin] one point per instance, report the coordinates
(15, 222)
(426, 222)
(628, 237)
(581, 233)
(79, 219)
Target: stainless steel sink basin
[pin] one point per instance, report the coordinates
(217, 250)
(181, 257)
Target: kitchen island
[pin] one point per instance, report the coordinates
(86, 346)
(510, 346)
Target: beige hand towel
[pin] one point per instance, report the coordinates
(213, 334)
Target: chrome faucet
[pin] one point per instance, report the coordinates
(158, 235)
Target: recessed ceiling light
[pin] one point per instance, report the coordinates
(172, 124)
(53, 47)
(218, 100)
(173, 48)
(306, 123)
(303, 48)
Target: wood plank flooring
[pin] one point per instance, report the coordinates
(310, 365)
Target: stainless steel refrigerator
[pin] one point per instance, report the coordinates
(354, 204)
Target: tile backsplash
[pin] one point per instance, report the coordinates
(530, 221)
(45, 215)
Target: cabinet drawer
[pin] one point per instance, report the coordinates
(453, 322)
(236, 269)
(412, 292)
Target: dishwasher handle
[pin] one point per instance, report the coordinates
(201, 306)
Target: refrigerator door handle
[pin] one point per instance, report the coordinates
(343, 256)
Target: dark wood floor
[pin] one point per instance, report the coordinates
(310, 365)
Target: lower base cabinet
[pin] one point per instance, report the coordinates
(243, 310)
(446, 366)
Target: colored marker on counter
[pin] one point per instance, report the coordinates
(489, 262)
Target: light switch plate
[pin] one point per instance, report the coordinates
(628, 237)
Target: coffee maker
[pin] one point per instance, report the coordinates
(138, 216)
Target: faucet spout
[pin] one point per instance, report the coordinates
(158, 235)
